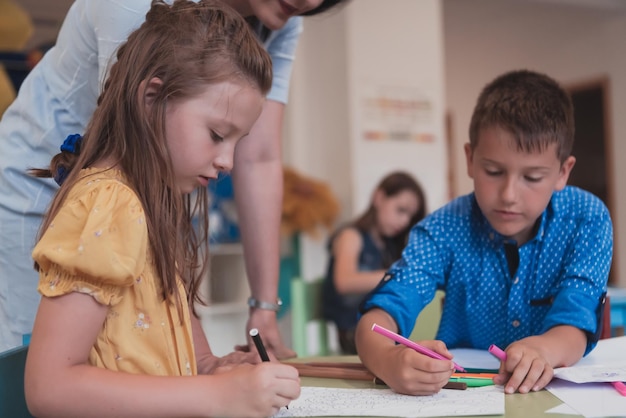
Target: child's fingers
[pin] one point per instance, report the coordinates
(516, 368)
(534, 373)
(287, 391)
(284, 371)
(437, 346)
(222, 369)
(529, 374)
(544, 379)
(430, 365)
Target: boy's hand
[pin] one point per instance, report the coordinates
(406, 371)
(526, 367)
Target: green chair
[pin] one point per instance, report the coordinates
(306, 306)
(12, 401)
(428, 320)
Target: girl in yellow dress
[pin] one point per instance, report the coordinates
(118, 258)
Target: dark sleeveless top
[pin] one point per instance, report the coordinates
(343, 309)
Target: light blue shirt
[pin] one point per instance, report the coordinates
(57, 99)
(561, 278)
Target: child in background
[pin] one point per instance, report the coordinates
(117, 256)
(524, 259)
(361, 252)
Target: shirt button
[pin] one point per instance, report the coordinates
(516, 280)
(515, 323)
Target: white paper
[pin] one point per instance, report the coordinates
(590, 374)
(596, 398)
(319, 402)
(563, 409)
(475, 359)
(590, 399)
(606, 363)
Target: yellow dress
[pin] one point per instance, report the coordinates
(97, 244)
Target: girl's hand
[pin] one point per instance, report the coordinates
(259, 390)
(234, 359)
(409, 372)
(526, 367)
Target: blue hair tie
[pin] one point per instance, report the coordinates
(61, 174)
(72, 145)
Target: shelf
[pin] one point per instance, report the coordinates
(234, 248)
(224, 325)
(225, 308)
(226, 290)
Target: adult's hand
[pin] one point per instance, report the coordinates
(265, 321)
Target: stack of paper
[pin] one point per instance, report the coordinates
(584, 387)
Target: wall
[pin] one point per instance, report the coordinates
(365, 51)
(484, 38)
(47, 17)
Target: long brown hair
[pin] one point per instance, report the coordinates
(187, 46)
(391, 185)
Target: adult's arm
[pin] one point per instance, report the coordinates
(112, 21)
(258, 185)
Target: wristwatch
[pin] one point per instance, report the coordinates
(259, 304)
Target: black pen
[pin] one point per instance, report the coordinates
(258, 342)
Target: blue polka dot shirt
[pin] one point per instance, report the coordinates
(561, 278)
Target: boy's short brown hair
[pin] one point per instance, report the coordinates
(529, 105)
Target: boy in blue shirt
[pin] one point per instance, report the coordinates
(524, 259)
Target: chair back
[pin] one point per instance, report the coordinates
(12, 401)
(427, 322)
(306, 306)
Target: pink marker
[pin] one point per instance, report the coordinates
(620, 387)
(411, 344)
(498, 352)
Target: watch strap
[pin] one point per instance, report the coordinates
(260, 304)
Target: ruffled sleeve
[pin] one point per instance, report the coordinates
(96, 244)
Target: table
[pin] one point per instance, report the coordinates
(532, 404)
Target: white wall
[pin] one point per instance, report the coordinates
(368, 48)
(484, 38)
(317, 126)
